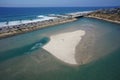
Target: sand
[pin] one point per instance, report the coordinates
(109, 20)
(63, 46)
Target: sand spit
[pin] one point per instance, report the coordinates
(63, 45)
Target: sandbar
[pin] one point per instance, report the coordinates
(63, 45)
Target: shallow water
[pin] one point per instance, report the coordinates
(19, 62)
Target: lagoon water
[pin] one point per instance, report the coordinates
(22, 56)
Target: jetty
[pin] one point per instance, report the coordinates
(18, 27)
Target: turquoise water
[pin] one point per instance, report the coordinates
(22, 56)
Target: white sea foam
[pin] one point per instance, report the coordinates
(2, 24)
(14, 22)
(10, 23)
(41, 16)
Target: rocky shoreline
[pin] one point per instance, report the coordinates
(32, 27)
(111, 15)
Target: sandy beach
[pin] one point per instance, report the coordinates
(113, 21)
(63, 45)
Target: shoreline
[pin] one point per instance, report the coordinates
(30, 29)
(7, 31)
(110, 15)
(14, 30)
(108, 20)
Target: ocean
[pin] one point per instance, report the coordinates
(19, 60)
(15, 14)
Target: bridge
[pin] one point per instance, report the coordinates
(46, 20)
(79, 14)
